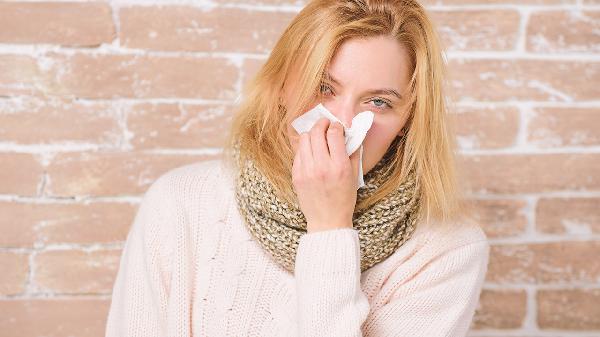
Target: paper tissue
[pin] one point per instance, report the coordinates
(353, 136)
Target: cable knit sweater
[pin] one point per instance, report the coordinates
(190, 267)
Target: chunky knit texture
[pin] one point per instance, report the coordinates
(189, 267)
(278, 225)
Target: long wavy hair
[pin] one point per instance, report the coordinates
(308, 44)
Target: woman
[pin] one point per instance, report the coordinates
(277, 238)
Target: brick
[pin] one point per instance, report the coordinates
(26, 224)
(67, 24)
(552, 127)
(183, 28)
(140, 76)
(53, 121)
(500, 309)
(486, 128)
(530, 173)
(473, 30)
(563, 31)
(500, 218)
(179, 125)
(53, 317)
(18, 232)
(19, 75)
(241, 30)
(301, 3)
(427, 3)
(110, 173)
(576, 216)
(523, 80)
(493, 2)
(21, 174)
(15, 270)
(76, 271)
(545, 263)
(568, 309)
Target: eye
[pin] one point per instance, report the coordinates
(380, 104)
(325, 87)
(385, 104)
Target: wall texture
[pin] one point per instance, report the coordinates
(97, 99)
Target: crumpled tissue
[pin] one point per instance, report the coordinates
(353, 136)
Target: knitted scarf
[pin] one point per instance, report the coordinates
(278, 225)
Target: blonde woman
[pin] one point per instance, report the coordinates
(278, 238)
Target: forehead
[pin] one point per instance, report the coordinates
(380, 61)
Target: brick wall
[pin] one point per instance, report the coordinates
(97, 99)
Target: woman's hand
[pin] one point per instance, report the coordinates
(325, 178)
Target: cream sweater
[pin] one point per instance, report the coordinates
(189, 267)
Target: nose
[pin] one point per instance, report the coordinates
(342, 111)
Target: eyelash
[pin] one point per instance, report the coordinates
(389, 105)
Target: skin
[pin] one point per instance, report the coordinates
(323, 175)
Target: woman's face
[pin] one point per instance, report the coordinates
(360, 67)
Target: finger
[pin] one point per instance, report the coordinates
(336, 143)
(355, 161)
(320, 150)
(297, 162)
(304, 148)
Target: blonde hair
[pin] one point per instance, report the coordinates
(308, 44)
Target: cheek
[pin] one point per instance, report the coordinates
(380, 135)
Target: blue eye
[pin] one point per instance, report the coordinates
(381, 107)
(385, 104)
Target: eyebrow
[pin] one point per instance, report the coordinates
(385, 91)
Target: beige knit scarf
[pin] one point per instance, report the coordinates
(278, 225)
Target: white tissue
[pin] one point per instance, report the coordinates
(353, 136)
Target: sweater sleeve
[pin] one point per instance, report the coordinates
(438, 301)
(327, 275)
(139, 295)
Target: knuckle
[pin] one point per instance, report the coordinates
(333, 130)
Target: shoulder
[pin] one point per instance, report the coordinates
(186, 189)
(456, 244)
(469, 243)
(200, 173)
(204, 177)
(448, 236)
(458, 253)
(460, 244)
